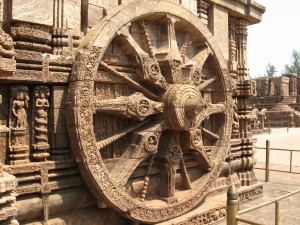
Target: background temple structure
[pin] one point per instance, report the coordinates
(280, 96)
(120, 112)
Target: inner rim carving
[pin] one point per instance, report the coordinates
(157, 129)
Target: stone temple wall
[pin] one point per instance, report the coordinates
(280, 96)
(124, 111)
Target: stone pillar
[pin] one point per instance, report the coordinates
(298, 85)
(245, 88)
(59, 139)
(232, 62)
(284, 86)
(293, 89)
(67, 26)
(202, 10)
(241, 42)
(218, 25)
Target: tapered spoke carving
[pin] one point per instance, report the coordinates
(135, 106)
(170, 155)
(206, 83)
(195, 67)
(212, 109)
(201, 57)
(210, 134)
(149, 70)
(103, 143)
(144, 143)
(128, 80)
(169, 57)
(148, 40)
(185, 44)
(192, 140)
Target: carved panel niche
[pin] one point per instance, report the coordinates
(40, 137)
(152, 108)
(19, 149)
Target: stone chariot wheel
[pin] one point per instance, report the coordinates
(150, 110)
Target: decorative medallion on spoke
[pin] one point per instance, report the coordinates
(152, 111)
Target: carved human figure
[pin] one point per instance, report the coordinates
(41, 114)
(19, 107)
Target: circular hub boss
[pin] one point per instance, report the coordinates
(150, 110)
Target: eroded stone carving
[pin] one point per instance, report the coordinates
(19, 149)
(41, 105)
(166, 98)
(149, 105)
(7, 53)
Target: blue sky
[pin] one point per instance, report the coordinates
(275, 37)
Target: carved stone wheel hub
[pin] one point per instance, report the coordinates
(182, 106)
(150, 110)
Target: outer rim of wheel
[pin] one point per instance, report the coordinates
(80, 111)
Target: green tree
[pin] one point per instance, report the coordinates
(270, 70)
(294, 66)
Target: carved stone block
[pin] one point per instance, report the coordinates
(107, 4)
(58, 97)
(72, 19)
(3, 146)
(220, 27)
(33, 11)
(95, 13)
(8, 65)
(61, 140)
(59, 121)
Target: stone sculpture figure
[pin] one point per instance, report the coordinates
(19, 107)
(18, 149)
(41, 94)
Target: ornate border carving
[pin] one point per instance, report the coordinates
(80, 109)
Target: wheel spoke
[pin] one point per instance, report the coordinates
(148, 40)
(149, 70)
(186, 180)
(170, 155)
(209, 134)
(128, 80)
(146, 179)
(143, 144)
(194, 67)
(200, 58)
(103, 143)
(135, 106)
(169, 57)
(211, 109)
(185, 44)
(206, 83)
(192, 140)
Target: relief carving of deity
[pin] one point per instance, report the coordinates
(41, 94)
(19, 107)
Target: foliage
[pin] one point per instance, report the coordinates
(294, 66)
(270, 70)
